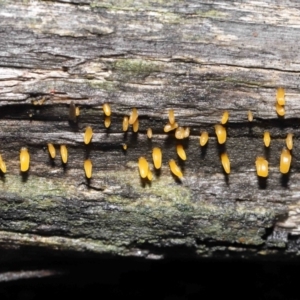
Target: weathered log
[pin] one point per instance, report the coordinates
(197, 58)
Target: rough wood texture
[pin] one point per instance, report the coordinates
(199, 58)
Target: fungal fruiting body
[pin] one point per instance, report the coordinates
(225, 162)
(77, 111)
(289, 141)
(203, 138)
(280, 96)
(267, 138)
(285, 161)
(72, 112)
(149, 175)
(280, 110)
(24, 159)
(261, 167)
(179, 133)
(51, 150)
(250, 116)
(225, 117)
(187, 131)
(221, 133)
(135, 126)
(149, 133)
(169, 127)
(133, 117)
(88, 135)
(143, 167)
(171, 116)
(175, 169)
(180, 151)
(64, 153)
(107, 121)
(124, 146)
(88, 167)
(106, 109)
(2, 165)
(157, 157)
(125, 123)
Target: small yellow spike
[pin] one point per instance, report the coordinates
(107, 121)
(124, 146)
(106, 109)
(157, 157)
(171, 116)
(203, 138)
(267, 138)
(149, 133)
(225, 162)
(175, 169)
(133, 117)
(51, 150)
(168, 127)
(250, 116)
(88, 167)
(221, 133)
(280, 110)
(125, 123)
(135, 126)
(143, 167)
(64, 153)
(187, 131)
(180, 151)
(179, 133)
(77, 111)
(280, 96)
(2, 165)
(225, 117)
(24, 159)
(88, 135)
(149, 175)
(285, 161)
(261, 167)
(289, 141)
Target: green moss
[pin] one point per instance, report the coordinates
(101, 85)
(211, 14)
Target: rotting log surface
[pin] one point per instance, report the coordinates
(198, 58)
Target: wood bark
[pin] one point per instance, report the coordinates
(198, 58)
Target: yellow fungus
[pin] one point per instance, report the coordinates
(125, 123)
(143, 167)
(2, 165)
(41, 101)
(106, 109)
(285, 161)
(221, 133)
(88, 167)
(261, 167)
(267, 138)
(203, 138)
(280, 110)
(88, 135)
(72, 112)
(157, 157)
(225, 117)
(171, 116)
(107, 121)
(64, 153)
(187, 131)
(170, 127)
(133, 117)
(179, 133)
(124, 146)
(149, 175)
(149, 133)
(289, 141)
(280, 96)
(24, 159)
(77, 111)
(135, 126)
(225, 162)
(180, 151)
(51, 150)
(175, 169)
(250, 116)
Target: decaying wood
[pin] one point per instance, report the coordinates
(199, 58)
